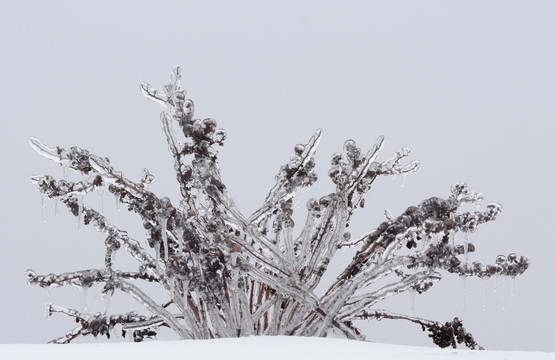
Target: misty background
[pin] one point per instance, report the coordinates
(468, 85)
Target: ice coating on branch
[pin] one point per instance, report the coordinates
(227, 274)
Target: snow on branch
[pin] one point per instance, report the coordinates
(227, 274)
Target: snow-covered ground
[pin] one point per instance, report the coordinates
(267, 348)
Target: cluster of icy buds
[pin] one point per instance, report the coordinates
(226, 274)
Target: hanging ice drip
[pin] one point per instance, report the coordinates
(463, 292)
(47, 303)
(164, 212)
(65, 163)
(107, 293)
(79, 197)
(83, 290)
(485, 281)
(43, 206)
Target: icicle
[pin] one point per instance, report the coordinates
(163, 224)
(513, 283)
(47, 312)
(47, 303)
(503, 300)
(96, 294)
(466, 245)
(56, 207)
(79, 211)
(412, 294)
(43, 207)
(485, 281)
(65, 167)
(495, 283)
(107, 305)
(452, 237)
(47, 295)
(404, 180)
(84, 290)
(463, 292)
(100, 193)
(118, 197)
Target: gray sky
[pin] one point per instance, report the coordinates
(468, 86)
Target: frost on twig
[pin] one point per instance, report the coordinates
(227, 274)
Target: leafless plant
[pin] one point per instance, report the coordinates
(227, 275)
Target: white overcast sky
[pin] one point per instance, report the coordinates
(468, 85)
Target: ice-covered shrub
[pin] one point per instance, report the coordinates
(227, 275)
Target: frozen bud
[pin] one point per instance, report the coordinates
(491, 269)
(180, 96)
(500, 259)
(334, 173)
(460, 188)
(494, 208)
(455, 261)
(470, 247)
(299, 148)
(347, 236)
(288, 223)
(147, 178)
(449, 223)
(177, 112)
(97, 180)
(512, 257)
(349, 146)
(208, 125)
(325, 201)
(165, 202)
(112, 243)
(295, 160)
(30, 275)
(95, 324)
(336, 159)
(220, 136)
(108, 289)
